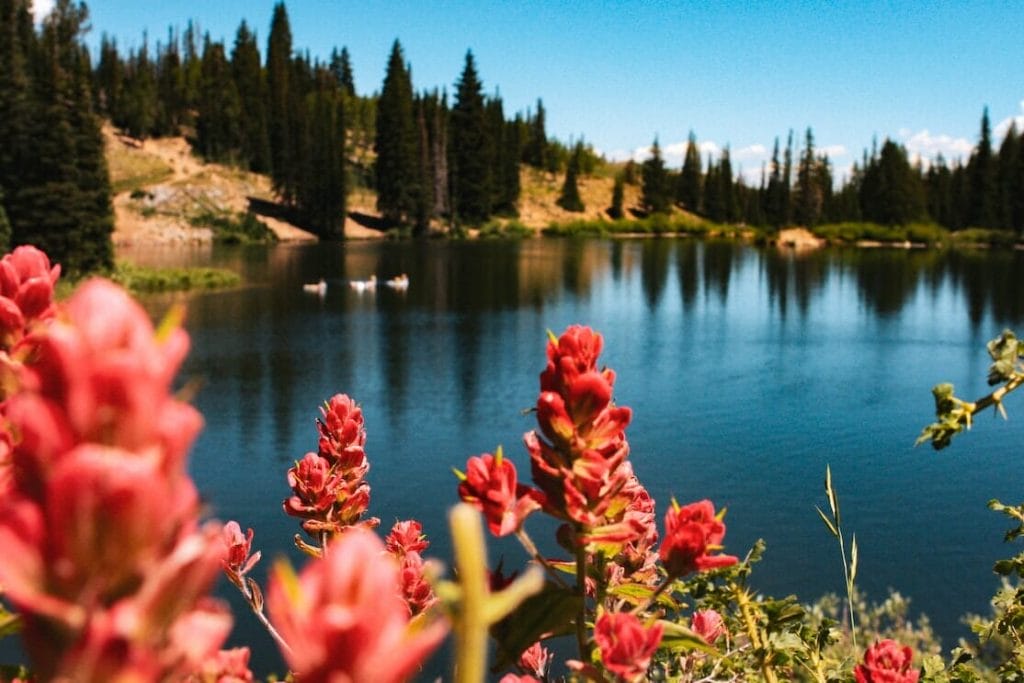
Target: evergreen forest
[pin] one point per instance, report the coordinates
(438, 161)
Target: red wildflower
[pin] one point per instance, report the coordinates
(415, 589)
(26, 292)
(315, 485)
(225, 666)
(535, 661)
(343, 435)
(100, 548)
(692, 533)
(344, 618)
(238, 561)
(626, 645)
(489, 484)
(406, 537)
(708, 624)
(577, 460)
(887, 661)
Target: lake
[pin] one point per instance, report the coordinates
(748, 370)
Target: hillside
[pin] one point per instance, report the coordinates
(162, 190)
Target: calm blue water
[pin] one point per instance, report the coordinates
(748, 371)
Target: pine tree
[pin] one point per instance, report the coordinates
(470, 147)
(1007, 179)
(616, 210)
(17, 110)
(535, 149)
(775, 194)
(61, 200)
(5, 226)
(93, 249)
(252, 94)
(570, 197)
(730, 204)
(109, 79)
(282, 104)
(714, 202)
(504, 154)
(341, 67)
(172, 109)
(892, 192)
(397, 167)
(217, 123)
(322, 189)
(787, 181)
(939, 192)
(656, 195)
(689, 187)
(191, 70)
(436, 117)
(809, 199)
(983, 188)
(139, 104)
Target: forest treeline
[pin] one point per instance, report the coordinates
(986, 191)
(434, 159)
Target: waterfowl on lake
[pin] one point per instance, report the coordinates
(364, 285)
(318, 288)
(400, 282)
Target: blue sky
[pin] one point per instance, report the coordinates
(620, 73)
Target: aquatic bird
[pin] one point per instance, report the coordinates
(364, 285)
(400, 282)
(318, 288)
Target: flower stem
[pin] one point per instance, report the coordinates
(531, 549)
(743, 600)
(581, 590)
(471, 623)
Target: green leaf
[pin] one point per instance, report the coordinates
(551, 611)
(638, 594)
(677, 638)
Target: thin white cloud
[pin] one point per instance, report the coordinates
(711, 147)
(1004, 125)
(832, 151)
(40, 8)
(924, 147)
(756, 152)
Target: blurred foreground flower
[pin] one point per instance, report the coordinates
(344, 617)
(101, 549)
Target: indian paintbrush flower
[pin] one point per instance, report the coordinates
(626, 645)
(887, 662)
(344, 617)
(692, 534)
(490, 486)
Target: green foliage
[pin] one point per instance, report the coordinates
(850, 232)
(242, 228)
(140, 280)
(52, 167)
(656, 224)
(507, 229)
(954, 415)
